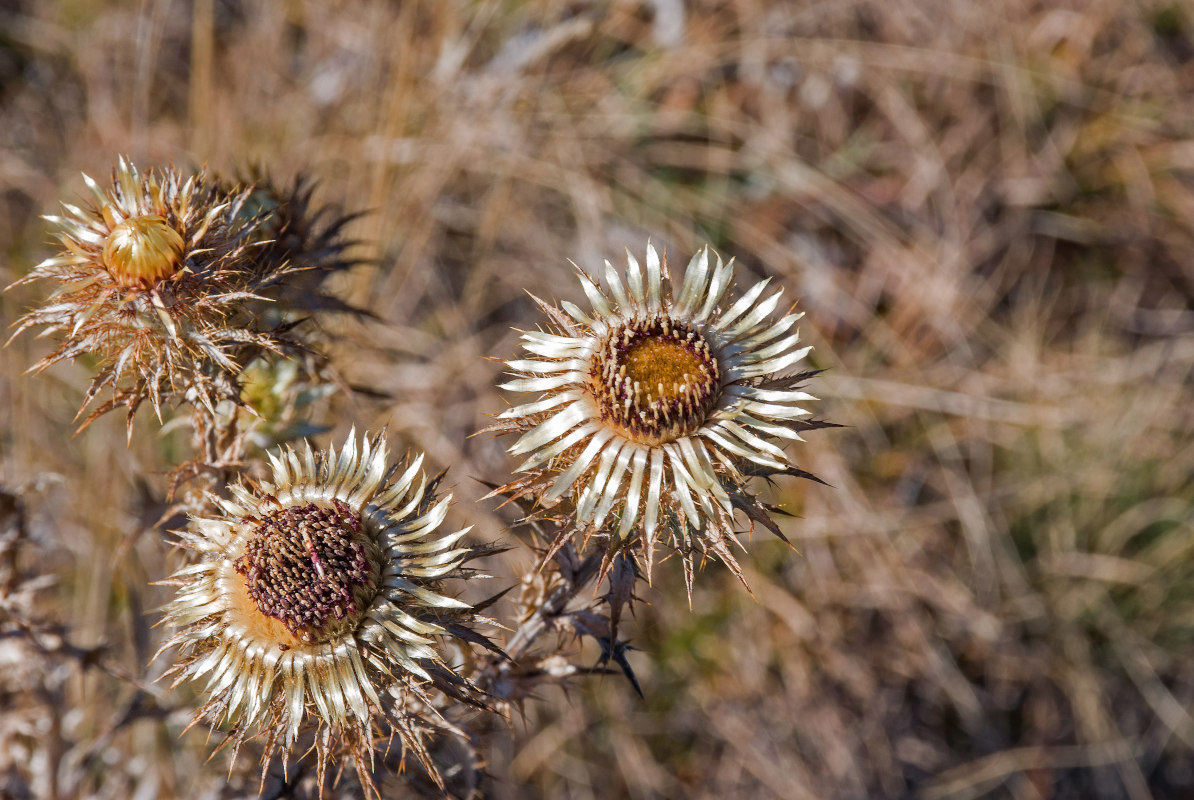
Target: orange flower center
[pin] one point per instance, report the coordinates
(306, 566)
(656, 379)
(662, 366)
(142, 251)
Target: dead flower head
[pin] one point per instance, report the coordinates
(152, 279)
(656, 411)
(317, 602)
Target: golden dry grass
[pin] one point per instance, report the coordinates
(987, 211)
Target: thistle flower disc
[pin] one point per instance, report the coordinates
(656, 410)
(317, 602)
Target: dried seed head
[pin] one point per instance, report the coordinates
(307, 567)
(142, 251)
(656, 380)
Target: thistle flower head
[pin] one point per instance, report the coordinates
(654, 412)
(153, 277)
(317, 603)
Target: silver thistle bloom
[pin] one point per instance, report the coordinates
(154, 279)
(655, 411)
(317, 602)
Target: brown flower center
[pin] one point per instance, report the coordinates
(141, 251)
(655, 379)
(306, 566)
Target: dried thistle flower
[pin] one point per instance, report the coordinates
(153, 278)
(317, 601)
(655, 412)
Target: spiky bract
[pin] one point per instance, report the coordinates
(317, 603)
(307, 236)
(655, 412)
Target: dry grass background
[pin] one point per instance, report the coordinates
(986, 209)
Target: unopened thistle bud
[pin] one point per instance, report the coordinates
(141, 251)
(153, 280)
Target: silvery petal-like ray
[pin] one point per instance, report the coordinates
(568, 477)
(547, 367)
(540, 337)
(563, 421)
(588, 502)
(716, 435)
(567, 379)
(553, 450)
(615, 287)
(771, 351)
(543, 405)
(634, 493)
(772, 366)
(768, 395)
(759, 446)
(696, 279)
(654, 280)
(752, 317)
(682, 482)
(741, 306)
(654, 493)
(780, 431)
(768, 332)
(596, 298)
(634, 279)
(700, 478)
(573, 310)
(388, 497)
(556, 350)
(774, 411)
(613, 486)
(721, 281)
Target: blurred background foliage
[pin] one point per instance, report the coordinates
(986, 209)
